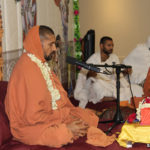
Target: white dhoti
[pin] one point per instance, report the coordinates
(94, 89)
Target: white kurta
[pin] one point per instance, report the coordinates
(94, 89)
(139, 59)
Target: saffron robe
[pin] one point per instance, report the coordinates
(28, 102)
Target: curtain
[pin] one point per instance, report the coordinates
(28, 12)
(1, 60)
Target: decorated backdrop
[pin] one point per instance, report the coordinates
(1, 31)
(77, 38)
(28, 12)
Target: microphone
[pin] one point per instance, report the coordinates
(120, 65)
(74, 61)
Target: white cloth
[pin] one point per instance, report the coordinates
(139, 59)
(94, 89)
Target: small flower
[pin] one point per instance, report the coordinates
(76, 12)
(79, 67)
(131, 118)
(147, 100)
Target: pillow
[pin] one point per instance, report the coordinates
(5, 133)
(3, 90)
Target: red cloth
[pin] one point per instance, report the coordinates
(77, 145)
(5, 133)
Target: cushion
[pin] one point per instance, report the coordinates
(3, 89)
(15, 145)
(5, 133)
(4, 124)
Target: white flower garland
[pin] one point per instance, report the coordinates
(46, 71)
(141, 106)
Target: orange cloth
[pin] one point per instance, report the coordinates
(147, 85)
(137, 100)
(33, 44)
(145, 116)
(28, 102)
(146, 90)
(98, 138)
(126, 104)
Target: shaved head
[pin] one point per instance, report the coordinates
(44, 31)
(48, 42)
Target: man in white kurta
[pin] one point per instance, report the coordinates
(139, 58)
(95, 88)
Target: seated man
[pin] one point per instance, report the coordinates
(37, 106)
(94, 87)
(139, 58)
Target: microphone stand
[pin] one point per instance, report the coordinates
(118, 116)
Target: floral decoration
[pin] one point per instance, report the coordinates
(46, 72)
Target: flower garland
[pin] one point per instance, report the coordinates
(136, 117)
(46, 72)
(77, 39)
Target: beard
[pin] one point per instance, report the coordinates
(107, 52)
(51, 56)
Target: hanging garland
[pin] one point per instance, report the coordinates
(77, 39)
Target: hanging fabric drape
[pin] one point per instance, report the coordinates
(1, 59)
(29, 14)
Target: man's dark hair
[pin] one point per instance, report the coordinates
(44, 30)
(104, 39)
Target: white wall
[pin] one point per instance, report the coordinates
(11, 17)
(126, 21)
(47, 14)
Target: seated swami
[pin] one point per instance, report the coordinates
(37, 106)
